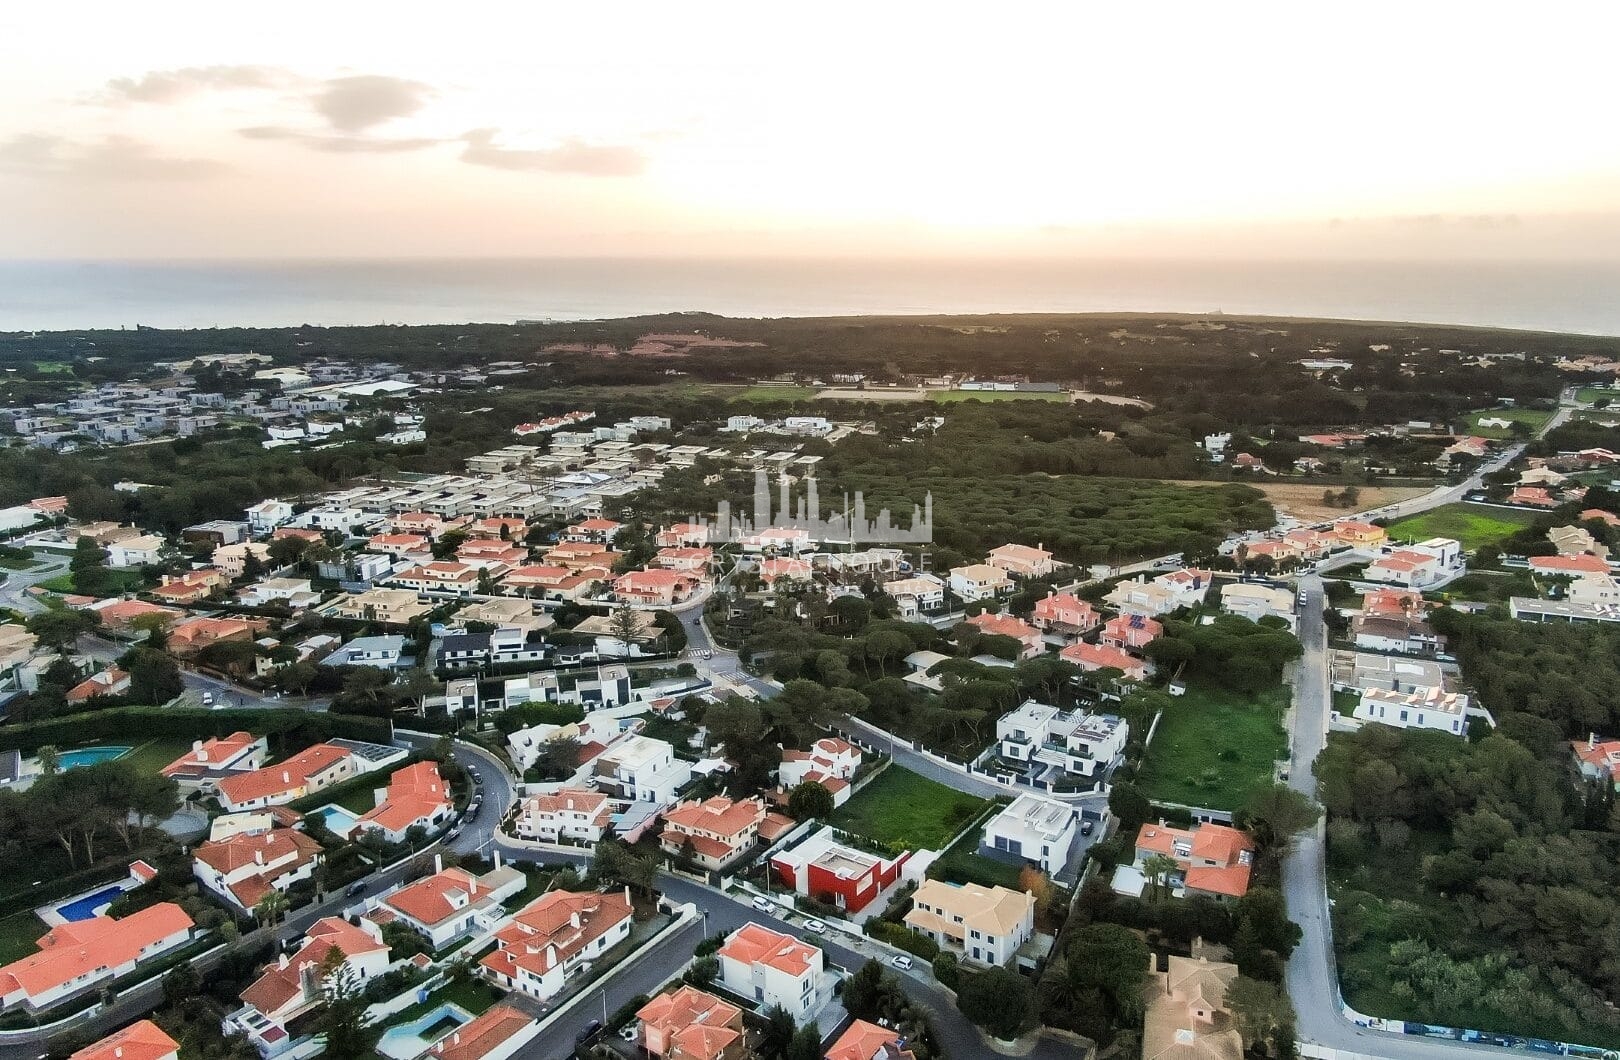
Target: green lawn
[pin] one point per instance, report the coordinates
(1472, 524)
(951, 396)
(1588, 395)
(54, 367)
(902, 808)
(153, 755)
(1214, 747)
(772, 393)
(1532, 418)
(962, 863)
(118, 581)
(19, 935)
(1345, 703)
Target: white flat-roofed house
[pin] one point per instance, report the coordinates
(1078, 744)
(1038, 830)
(1419, 566)
(979, 581)
(642, 769)
(1419, 708)
(267, 515)
(135, 551)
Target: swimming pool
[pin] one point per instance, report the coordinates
(84, 908)
(338, 821)
(412, 1039)
(89, 756)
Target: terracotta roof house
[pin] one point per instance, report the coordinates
(688, 1024)
(830, 762)
(451, 903)
(685, 558)
(1532, 497)
(193, 635)
(1027, 636)
(120, 615)
(719, 830)
(677, 535)
(867, 1041)
(1131, 631)
(247, 866)
(1598, 759)
(1357, 534)
(655, 587)
(143, 1040)
(775, 969)
(774, 570)
(416, 796)
(315, 767)
(292, 985)
(551, 936)
(1577, 565)
(1215, 859)
(215, 757)
(76, 956)
(109, 682)
(1094, 657)
(1065, 613)
(575, 814)
(495, 1035)
(598, 530)
(1186, 1015)
(191, 586)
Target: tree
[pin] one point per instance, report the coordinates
(778, 1033)
(557, 758)
(625, 623)
(268, 910)
(60, 629)
(1133, 809)
(1158, 868)
(810, 799)
(154, 677)
(1260, 1011)
(864, 990)
(805, 1044)
(1032, 881)
(1000, 1001)
(50, 760)
(946, 969)
(1274, 815)
(342, 1019)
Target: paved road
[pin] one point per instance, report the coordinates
(13, 590)
(225, 693)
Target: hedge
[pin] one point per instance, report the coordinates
(151, 722)
(904, 938)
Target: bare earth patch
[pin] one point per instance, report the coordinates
(1303, 500)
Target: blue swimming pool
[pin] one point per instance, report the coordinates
(85, 908)
(338, 821)
(89, 756)
(412, 1039)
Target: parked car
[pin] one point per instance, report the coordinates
(815, 927)
(1087, 827)
(764, 904)
(356, 889)
(901, 961)
(208, 699)
(590, 1029)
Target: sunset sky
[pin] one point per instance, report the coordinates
(1199, 129)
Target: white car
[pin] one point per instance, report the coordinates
(208, 699)
(764, 904)
(815, 927)
(901, 961)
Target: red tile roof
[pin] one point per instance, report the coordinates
(139, 1041)
(475, 1040)
(71, 950)
(756, 944)
(553, 928)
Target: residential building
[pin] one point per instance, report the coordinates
(1027, 636)
(1356, 534)
(135, 551)
(979, 581)
(385, 653)
(1075, 743)
(293, 984)
(688, 560)
(233, 559)
(822, 868)
(642, 769)
(1093, 657)
(76, 956)
(1130, 632)
(683, 535)
(218, 756)
(109, 682)
(500, 611)
(784, 569)
(1419, 566)
(296, 593)
(1187, 1017)
(773, 970)
(1576, 541)
(265, 516)
(1418, 708)
(917, 594)
(187, 638)
(552, 937)
(656, 588)
(1038, 831)
(1065, 613)
(868, 1041)
(1576, 566)
(119, 616)
(830, 762)
(1214, 860)
(495, 1035)
(142, 1040)
(601, 531)
(190, 587)
(1021, 561)
(714, 832)
(1254, 601)
(688, 1024)
(401, 546)
(442, 577)
(985, 925)
(1159, 597)
(575, 815)
(312, 769)
(1598, 759)
(416, 797)
(450, 904)
(244, 868)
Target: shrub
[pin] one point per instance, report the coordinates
(904, 938)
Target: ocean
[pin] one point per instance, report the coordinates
(1573, 297)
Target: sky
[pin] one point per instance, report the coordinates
(364, 129)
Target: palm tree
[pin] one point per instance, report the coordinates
(50, 760)
(270, 908)
(1157, 868)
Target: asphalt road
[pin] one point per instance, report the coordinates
(13, 591)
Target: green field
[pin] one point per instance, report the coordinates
(1472, 524)
(772, 393)
(993, 395)
(904, 809)
(1213, 747)
(53, 367)
(19, 935)
(1588, 395)
(1532, 418)
(153, 755)
(120, 581)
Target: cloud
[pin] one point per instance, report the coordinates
(571, 156)
(171, 86)
(111, 158)
(355, 104)
(333, 143)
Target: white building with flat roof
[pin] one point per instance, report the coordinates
(1040, 831)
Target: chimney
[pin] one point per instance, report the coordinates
(281, 962)
(258, 857)
(196, 745)
(1591, 740)
(438, 863)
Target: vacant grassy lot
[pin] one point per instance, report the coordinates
(1472, 524)
(1532, 418)
(1214, 747)
(903, 808)
(1303, 500)
(994, 395)
(772, 393)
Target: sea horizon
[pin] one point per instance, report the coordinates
(1575, 297)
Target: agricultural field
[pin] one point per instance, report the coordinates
(1474, 525)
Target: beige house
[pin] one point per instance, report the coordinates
(985, 925)
(393, 606)
(505, 611)
(1021, 561)
(1186, 1015)
(232, 559)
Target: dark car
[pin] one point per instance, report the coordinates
(356, 889)
(590, 1029)
(1087, 827)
